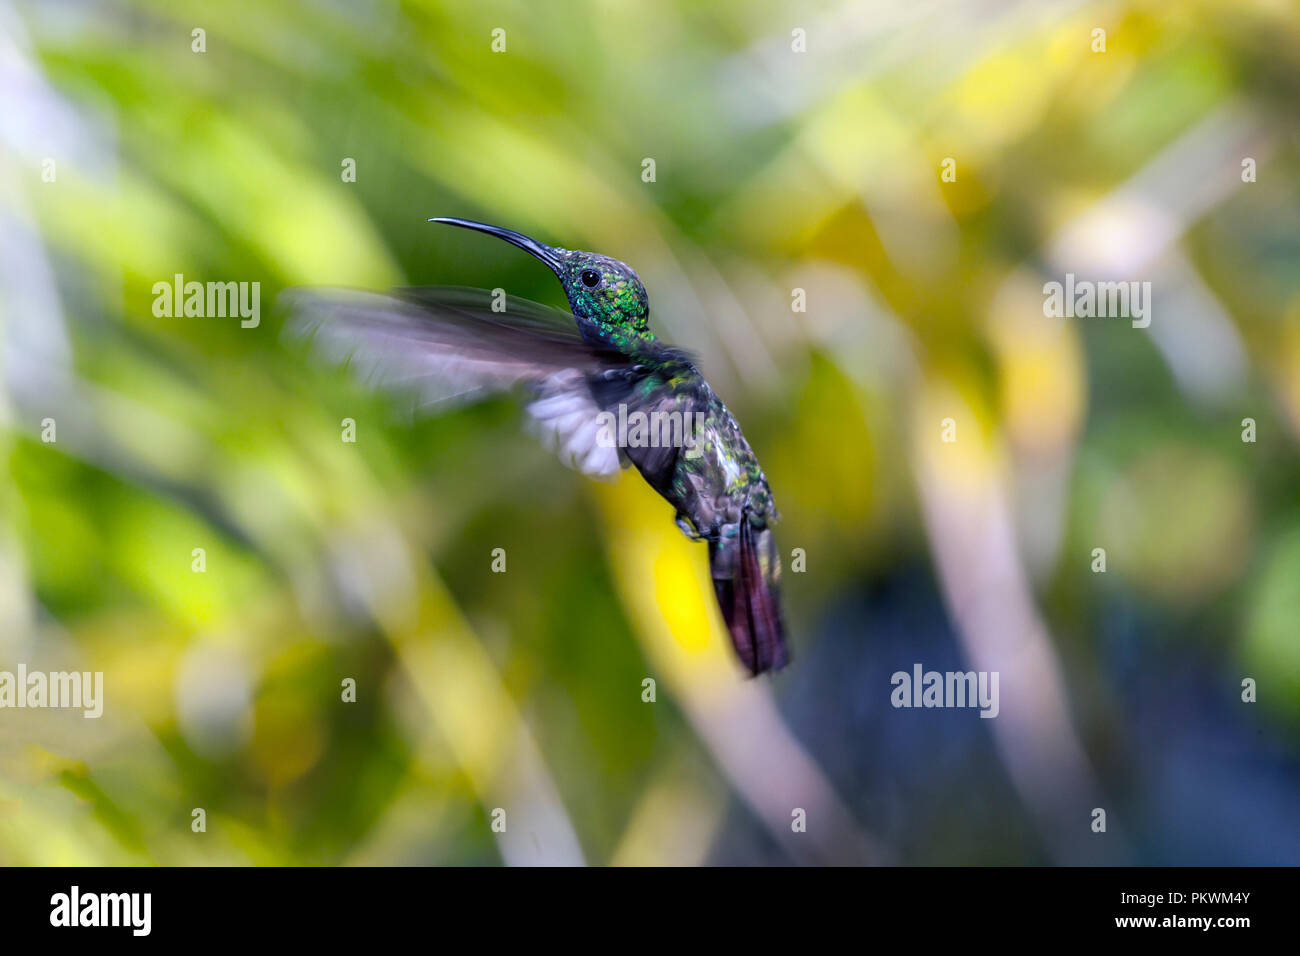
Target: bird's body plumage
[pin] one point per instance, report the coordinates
(721, 496)
(582, 371)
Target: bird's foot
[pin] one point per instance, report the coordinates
(688, 528)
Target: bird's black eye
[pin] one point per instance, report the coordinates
(590, 278)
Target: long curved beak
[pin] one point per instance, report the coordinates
(543, 252)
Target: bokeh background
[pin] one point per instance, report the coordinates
(775, 170)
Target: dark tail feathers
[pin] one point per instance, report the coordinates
(747, 577)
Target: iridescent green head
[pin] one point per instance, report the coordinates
(606, 296)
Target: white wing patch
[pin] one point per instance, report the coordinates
(564, 417)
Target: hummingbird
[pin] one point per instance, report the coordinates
(578, 370)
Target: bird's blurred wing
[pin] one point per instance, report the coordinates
(443, 346)
(447, 346)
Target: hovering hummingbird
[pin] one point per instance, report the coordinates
(448, 344)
